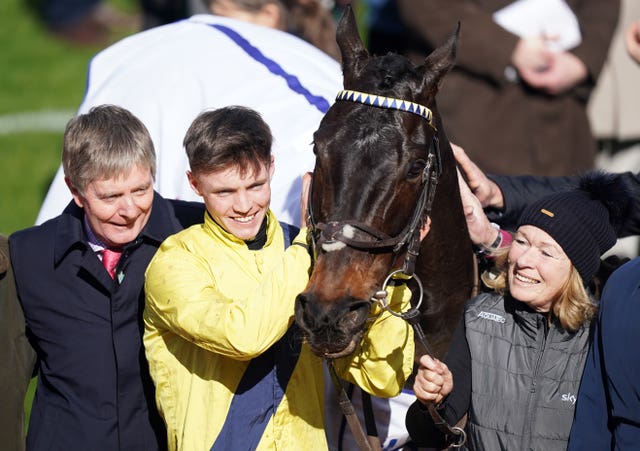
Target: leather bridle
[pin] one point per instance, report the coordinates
(358, 235)
(374, 240)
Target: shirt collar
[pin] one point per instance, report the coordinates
(94, 242)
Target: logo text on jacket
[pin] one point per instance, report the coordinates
(491, 316)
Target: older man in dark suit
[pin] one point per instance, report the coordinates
(80, 278)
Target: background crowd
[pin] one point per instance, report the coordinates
(538, 109)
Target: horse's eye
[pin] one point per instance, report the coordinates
(416, 168)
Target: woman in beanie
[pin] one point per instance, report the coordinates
(515, 362)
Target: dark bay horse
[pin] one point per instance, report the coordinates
(378, 155)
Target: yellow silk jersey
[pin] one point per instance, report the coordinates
(230, 367)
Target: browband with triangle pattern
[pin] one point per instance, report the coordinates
(387, 102)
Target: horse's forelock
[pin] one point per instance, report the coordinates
(390, 75)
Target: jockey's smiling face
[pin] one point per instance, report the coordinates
(237, 200)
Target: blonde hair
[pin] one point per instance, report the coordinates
(573, 307)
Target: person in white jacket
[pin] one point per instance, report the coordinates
(166, 76)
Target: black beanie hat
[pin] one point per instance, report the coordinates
(582, 221)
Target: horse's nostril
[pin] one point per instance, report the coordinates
(301, 301)
(303, 316)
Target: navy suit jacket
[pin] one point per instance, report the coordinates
(94, 390)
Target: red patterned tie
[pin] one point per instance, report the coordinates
(110, 260)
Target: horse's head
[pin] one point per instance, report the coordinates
(377, 159)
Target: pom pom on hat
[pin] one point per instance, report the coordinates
(583, 221)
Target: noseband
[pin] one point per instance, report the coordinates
(347, 232)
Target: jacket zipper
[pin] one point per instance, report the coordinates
(533, 389)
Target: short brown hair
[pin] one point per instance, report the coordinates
(232, 136)
(104, 143)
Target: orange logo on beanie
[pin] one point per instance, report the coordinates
(544, 211)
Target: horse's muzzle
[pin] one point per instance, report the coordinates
(332, 329)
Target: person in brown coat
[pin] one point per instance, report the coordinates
(518, 107)
(614, 107)
(16, 355)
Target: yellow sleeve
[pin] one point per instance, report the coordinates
(182, 298)
(385, 359)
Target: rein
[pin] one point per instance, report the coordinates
(412, 316)
(347, 232)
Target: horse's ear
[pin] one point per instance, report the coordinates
(438, 64)
(351, 47)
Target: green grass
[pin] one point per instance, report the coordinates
(44, 73)
(31, 391)
(29, 161)
(37, 73)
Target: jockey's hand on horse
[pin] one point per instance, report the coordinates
(433, 382)
(481, 232)
(485, 189)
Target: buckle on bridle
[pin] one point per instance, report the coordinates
(381, 298)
